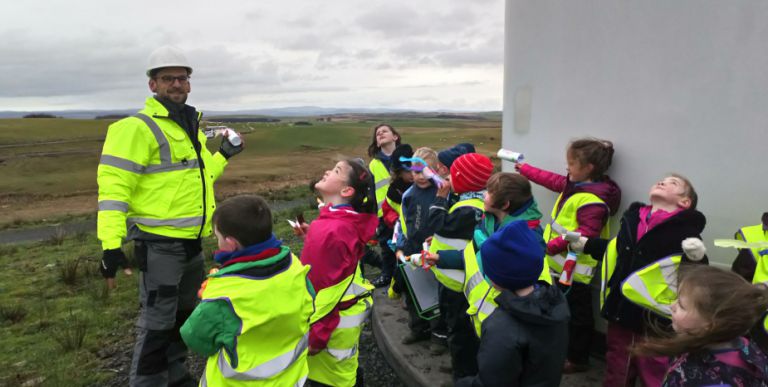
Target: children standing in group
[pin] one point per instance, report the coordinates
(333, 246)
(714, 309)
(385, 140)
(587, 199)
(524, 341)
(256, 307)
(401, 180)
(647, 233)
(508, 198)
(454, 229)
(416, 228)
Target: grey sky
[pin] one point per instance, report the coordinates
(90, 54)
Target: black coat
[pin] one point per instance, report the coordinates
(661, 241)
(524, 341)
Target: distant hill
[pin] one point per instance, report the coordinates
(297, 111)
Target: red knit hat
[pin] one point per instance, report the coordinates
(470, 172)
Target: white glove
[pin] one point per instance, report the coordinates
(694, 249)
(578, 246)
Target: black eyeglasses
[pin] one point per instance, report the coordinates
(171, 79)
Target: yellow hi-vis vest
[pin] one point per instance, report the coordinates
(271, 349)
(480, 295)
(566, 219)
(452, 278)
(756, 234)
(336, 365)
(401, 220)
(654, 287)
(609, 265)
(381, 180)
(149, 176)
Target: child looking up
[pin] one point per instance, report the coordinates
(256, 308)
(401, 180)
(385, 140)
(647, 233)
(333, 247)
(524, 340)
(714, 309)
(587, 198)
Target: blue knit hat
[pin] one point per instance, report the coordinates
(447, 156)
(513, 257)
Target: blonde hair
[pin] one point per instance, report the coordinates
(427, 154)
(688, 191)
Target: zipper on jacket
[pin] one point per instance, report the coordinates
(199, 165)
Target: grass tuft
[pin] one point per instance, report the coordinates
(58, 236)
(68, 271)
(13, 313)
(71, 335)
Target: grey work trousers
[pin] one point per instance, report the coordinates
(169, 280)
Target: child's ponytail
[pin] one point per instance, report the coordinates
(593, 151)
(361, 179)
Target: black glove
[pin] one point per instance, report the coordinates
(227, 149)
(111, 261)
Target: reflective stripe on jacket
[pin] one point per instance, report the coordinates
(336, 365)
(150, 176)
(452, 278)
(480, 295)
(608, 267)
(757, 234)
(565, 218)
(272, 345)
(654, 287)
(381, 179)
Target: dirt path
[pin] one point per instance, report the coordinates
(31, 234)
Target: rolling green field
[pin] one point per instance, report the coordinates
(59, 325)
(49, 165)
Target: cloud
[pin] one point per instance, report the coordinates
(293, 52)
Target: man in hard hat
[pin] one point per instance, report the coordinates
(156, 188)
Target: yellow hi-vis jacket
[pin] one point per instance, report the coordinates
(654, 287)
(480, 294)
(566, 219)
(336, 365)
(150, 176)
(381, 178)
(756, 234)
(271, 349)
(452, 278)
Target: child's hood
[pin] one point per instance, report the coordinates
(545, 306)
(606, 189)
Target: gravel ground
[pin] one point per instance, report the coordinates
(377, 371)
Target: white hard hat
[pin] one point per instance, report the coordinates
(167, 56)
